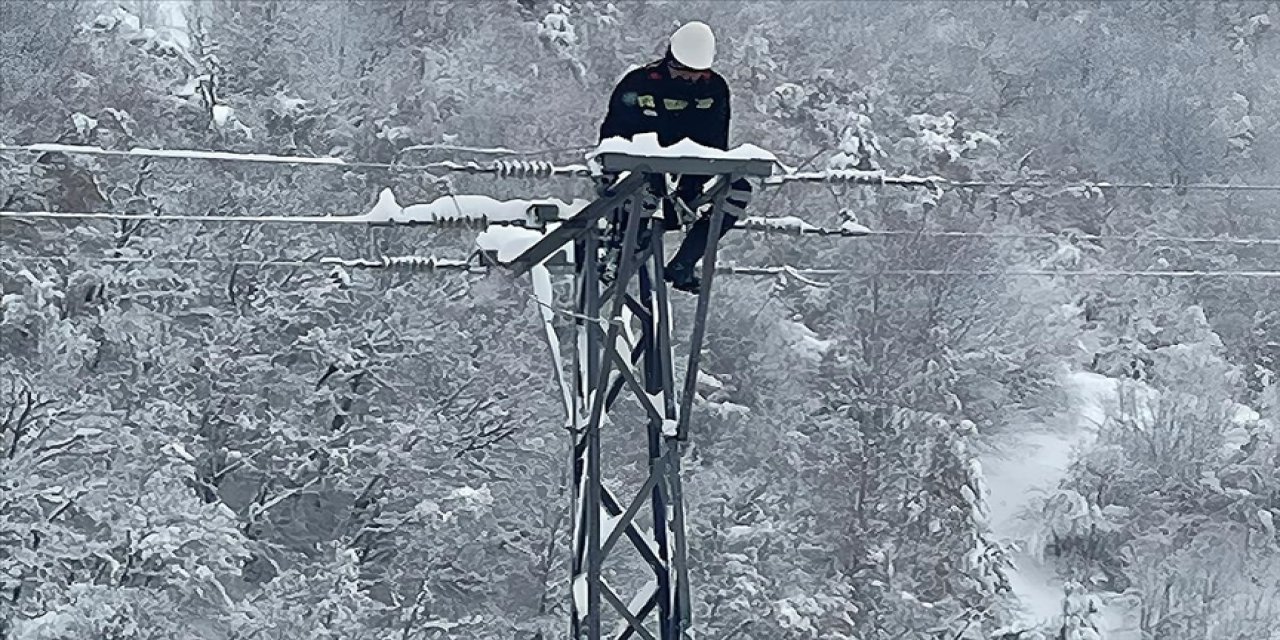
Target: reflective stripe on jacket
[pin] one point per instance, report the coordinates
(648, 99)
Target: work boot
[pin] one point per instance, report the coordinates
(683, 278)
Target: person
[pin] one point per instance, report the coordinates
(679, 97)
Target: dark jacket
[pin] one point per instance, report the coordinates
(648, 99)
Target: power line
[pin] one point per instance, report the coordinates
(404, 263)
(500, 168)
(152, 260)
(1157, 186)
(871, 178)
(478, 222)
(169, 217)
(1083, 237)
(795, 226)
(432, 263)
(993, 273)
(783, 226)
(535, 169)
(175, 154)
(492, 151)
(503, 167)
(413, 263)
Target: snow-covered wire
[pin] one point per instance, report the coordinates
(175, 154)
(399, 263)
(513, 168)
(855, 176)
(795, 226)
(492, 151)
(1077, 236)
(409, 263)
(787, 226)
(167, 217)
(1101, 185)
(468, 222)
(158, 261)
(848, 176)
(490, 260)
(572, 314)
(991, 273)
(420, 263)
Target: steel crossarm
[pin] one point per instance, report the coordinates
(580, 224)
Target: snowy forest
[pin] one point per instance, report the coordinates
(1061, 422)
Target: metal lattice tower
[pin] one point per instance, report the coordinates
(624, 342)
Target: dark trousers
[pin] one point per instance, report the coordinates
(695, 241)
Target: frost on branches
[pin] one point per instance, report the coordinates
(1081, 615)
(225, 448)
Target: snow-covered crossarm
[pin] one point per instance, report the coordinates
(471, 210)
(646, 145)
(643, 152)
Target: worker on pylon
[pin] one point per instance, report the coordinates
(679, 97)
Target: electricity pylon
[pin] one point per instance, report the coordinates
(624, 342)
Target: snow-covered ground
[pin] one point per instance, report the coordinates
(1034, 461)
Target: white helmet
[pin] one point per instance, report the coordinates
(694, 46)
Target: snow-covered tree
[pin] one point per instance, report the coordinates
(192, 450)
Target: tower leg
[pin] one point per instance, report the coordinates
(704, 302)
(585, 604)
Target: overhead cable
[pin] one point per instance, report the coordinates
(501, 168)
(528, 169)
(229, 219)
(871, 178)
(994, 273)
(432, 263)
(754, 224)
(492, 151)
(795, 226)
